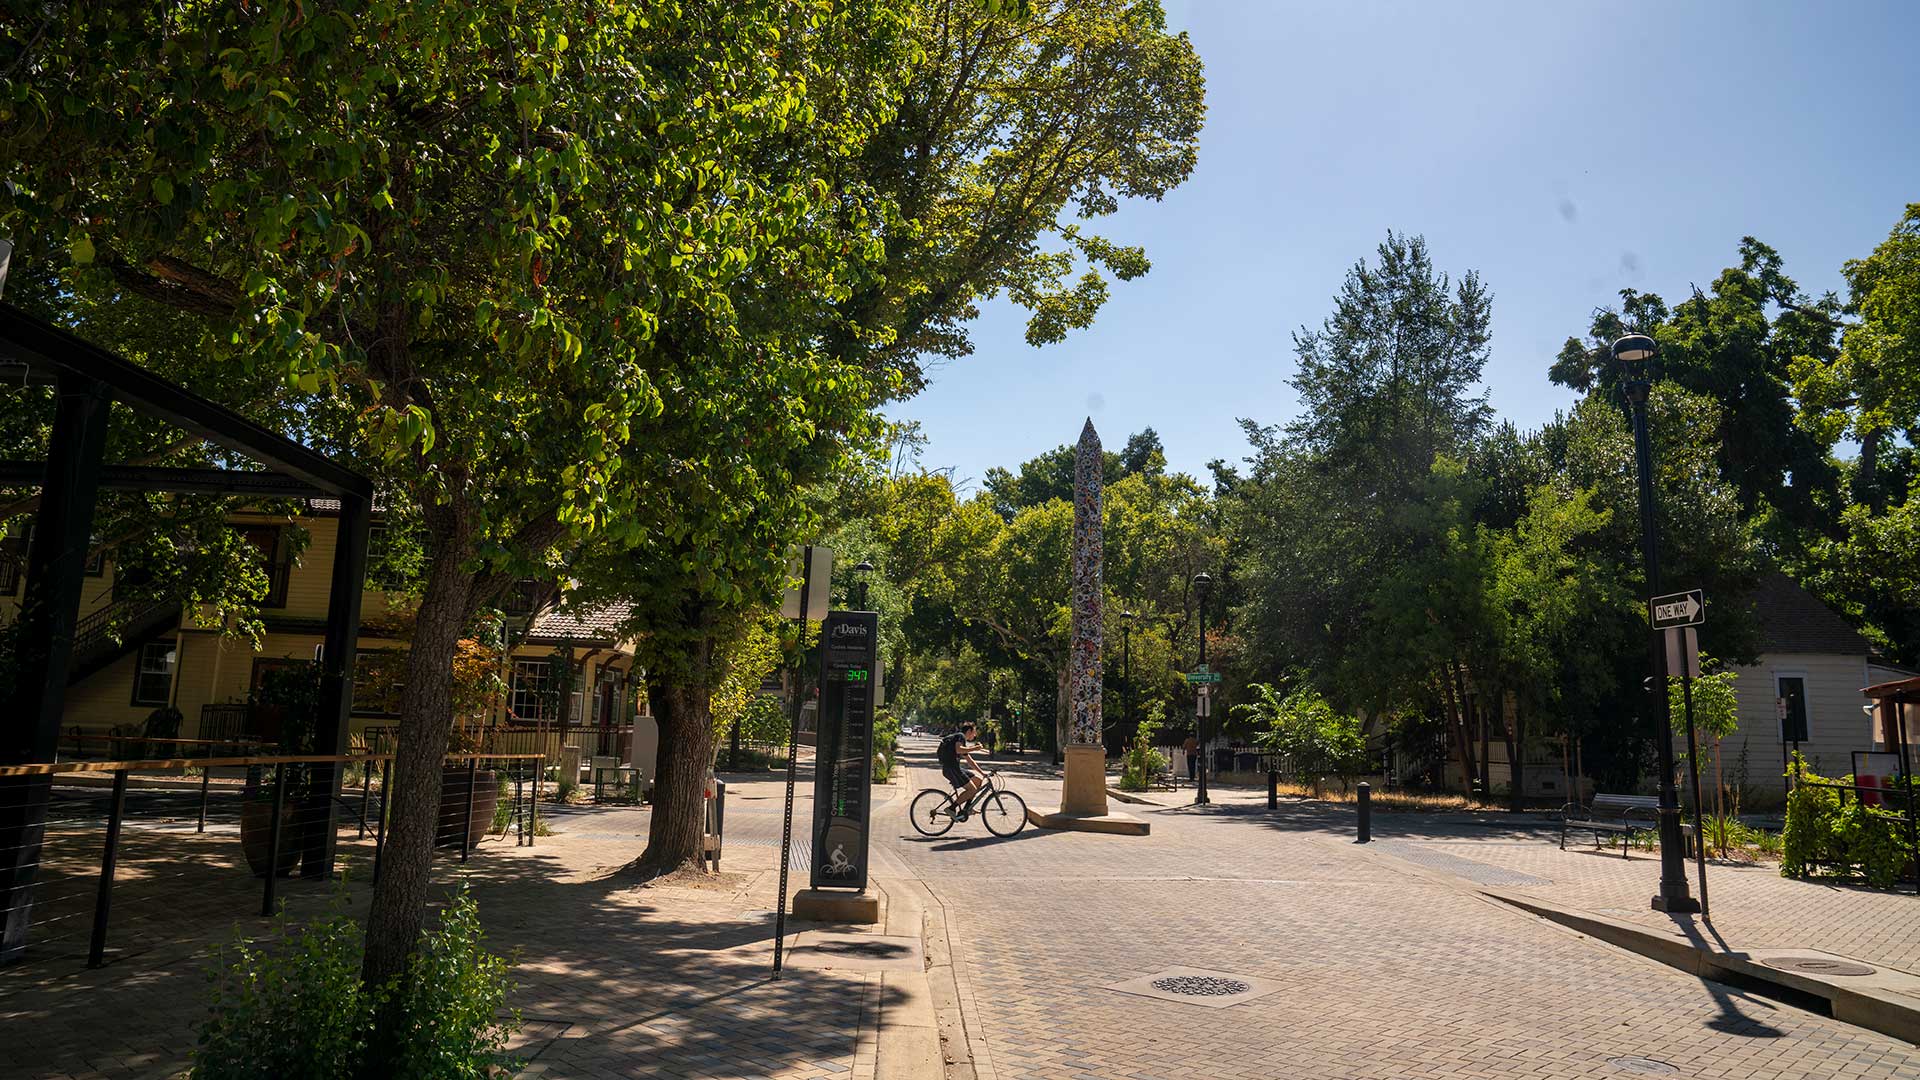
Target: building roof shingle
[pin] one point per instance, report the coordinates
(1792, 620)
(602, 624)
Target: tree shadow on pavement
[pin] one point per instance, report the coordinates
(613, 980)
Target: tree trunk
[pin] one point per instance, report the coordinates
(399, 910)
(1457, 721)
(1516, 767)
(683, 707)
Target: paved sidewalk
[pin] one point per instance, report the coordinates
(1753, 907)
(1381, 965)
(613, 981)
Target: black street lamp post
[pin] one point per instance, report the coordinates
(1634, 351)
(861, 571)
(1202, 583)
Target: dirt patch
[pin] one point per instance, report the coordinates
(687, 878)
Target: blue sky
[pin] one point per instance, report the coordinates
(1563, 150)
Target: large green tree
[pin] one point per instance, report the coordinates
(1736, 345)
(472, 227)
(1869, 392)
(1013, 116)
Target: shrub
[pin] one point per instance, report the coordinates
(502, 807)
(1825, 830)
(300, 1011)
(1142, 762)
(1304, 728)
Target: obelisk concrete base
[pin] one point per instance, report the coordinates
(1083, 800)
(837, 906)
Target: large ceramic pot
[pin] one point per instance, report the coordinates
(256, 836)
(453, 804)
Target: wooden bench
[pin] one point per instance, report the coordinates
(1620, 814)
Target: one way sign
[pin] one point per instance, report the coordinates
(1678, 609)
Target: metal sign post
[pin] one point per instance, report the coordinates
(814, 564)
(1683, 659)
(843, 767)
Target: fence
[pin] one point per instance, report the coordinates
(545, 740)
(131, 846)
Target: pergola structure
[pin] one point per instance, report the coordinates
(1896, 707)
(87, 379)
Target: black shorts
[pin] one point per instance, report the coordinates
(957, 775)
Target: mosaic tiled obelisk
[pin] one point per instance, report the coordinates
(1084, 669)
(1083, 798)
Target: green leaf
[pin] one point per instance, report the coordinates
(163, 190)
(81, 248)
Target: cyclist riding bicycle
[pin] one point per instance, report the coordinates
(965, 779)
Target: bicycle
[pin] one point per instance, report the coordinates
(1003, 812)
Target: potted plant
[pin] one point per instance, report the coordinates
(291, 696)
(476, 689)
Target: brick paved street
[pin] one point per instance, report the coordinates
(1388, 961)
(1389, 966)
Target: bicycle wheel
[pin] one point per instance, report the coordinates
(1004, 813)
(931, 812)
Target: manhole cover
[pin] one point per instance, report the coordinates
(1201, 986)
(1817, 965)
(1645, 1066)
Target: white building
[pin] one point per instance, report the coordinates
(1804, 691)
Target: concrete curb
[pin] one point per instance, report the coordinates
(907, 1040)
(1887, 1001)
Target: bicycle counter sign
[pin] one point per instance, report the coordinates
(843, 770)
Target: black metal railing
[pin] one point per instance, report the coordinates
(104, 628)
(163, 818)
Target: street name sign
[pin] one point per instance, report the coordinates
(1678, 609)
(1203, 676)
(843, 773)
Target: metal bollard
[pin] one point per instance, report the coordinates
(386, 800)
(1273, 789)
(206, 775)
(533, 803)
(273, 837)
(1366, 813)
(366, 794)
(96, 949)
(466, 827)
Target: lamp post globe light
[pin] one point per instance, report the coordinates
(1634, 351)
(1202, 584)
(860, 577)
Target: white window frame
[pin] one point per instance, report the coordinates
(141, 671)
(1806, 698)
(539, 676)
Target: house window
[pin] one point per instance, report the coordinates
(269, 541)
(521, 597)
(13, 558)
(378, 675)
(394, 558)
(1795, 725)
(532, 697)
(153, 677)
